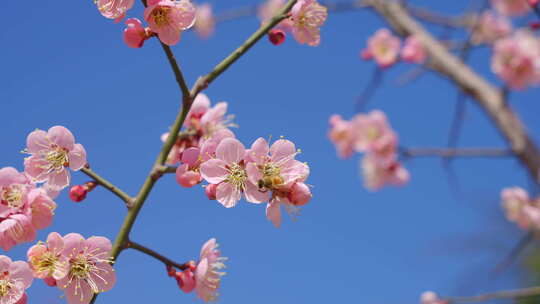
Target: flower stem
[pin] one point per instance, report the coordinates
(108, 185)
(152, 253)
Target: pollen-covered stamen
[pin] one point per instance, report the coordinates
(161, 16)
(86, 267)
(5, 287)
(48, 262)
(12, 196)
(57, 159)
(237, 176)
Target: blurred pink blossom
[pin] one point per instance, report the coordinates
(114, 9)
(512, 8)
(204, 21)
(490, 28)
(383, 47)
(413, 50)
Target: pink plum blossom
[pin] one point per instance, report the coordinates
(168, 18)
(374, 134)
(89, 268)
(377, 174)
(187, 174)
(228, 170)
(135, 34)
(15, 278)
(297, 195)
(51, 153)
(204, 21)
(413, 50)
(14, 189)
(490, 28)
(269, 9)
(46, 259)
(114, 9)
(383, 47)
(343, 134)
(308, 16)
(520, 209)
(516, 60)
(207, 273)
(512, 8)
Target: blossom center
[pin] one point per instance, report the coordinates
(57, 158)
(46, 263)
(161, 16)
(5, 287)
(13, 196)
(237, 176)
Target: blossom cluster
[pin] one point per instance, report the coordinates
(306, 18)
(167, 19)
(521, 209)
(372, 134)
(385, 49)
(207, 149)
(205, 276)
(78, 266)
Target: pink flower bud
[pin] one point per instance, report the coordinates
(277, 36)
(210, 191)
(78, 193)
(300, 194)
(134, 33)
(185, 280)
(50, 281)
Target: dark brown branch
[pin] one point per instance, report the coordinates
(154, 254)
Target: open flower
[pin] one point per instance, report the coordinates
(383, 47)
(207, 273)
(377, 174)
(51, 153)
(16, 229)
(413, 50)
(169, 18)
(308, 16)
(228, 170)
(89, 268)
(343, 134)
(46, 259)
(114, 9)
(14, 189)
(516, 59)
(15, 278)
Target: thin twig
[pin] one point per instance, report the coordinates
(455, 152)
(512, 255)
(152, 253)
(108, 185)
(374, 83)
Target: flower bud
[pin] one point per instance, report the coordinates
(277, 36)
(50, 281)
(300, 194)
(185, 280)
(78, 193)
(210, 191)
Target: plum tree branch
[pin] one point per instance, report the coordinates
(108, 185)
(504, 294)
(188, 96)
(487, 96)
(168, 262)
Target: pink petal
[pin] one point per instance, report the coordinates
(37, 141)
(75, 295)
(184, 14)
(5, 263)
(61, 136)
(169, 35)
(20, 271)
(190, 156)
(59, 180)
(214, 171)
(99, 242)
(259, 151)
(230, 150)
(77, 157)
(273, 213)
(282, 150)
(254, 174)
(227, 195)
(55, 242)
(107, 277)
(33, 166)
(253, 195)
(73, 243)
(10, 175)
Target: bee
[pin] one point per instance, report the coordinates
(269, 182)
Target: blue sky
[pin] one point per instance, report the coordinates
(64, 64)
